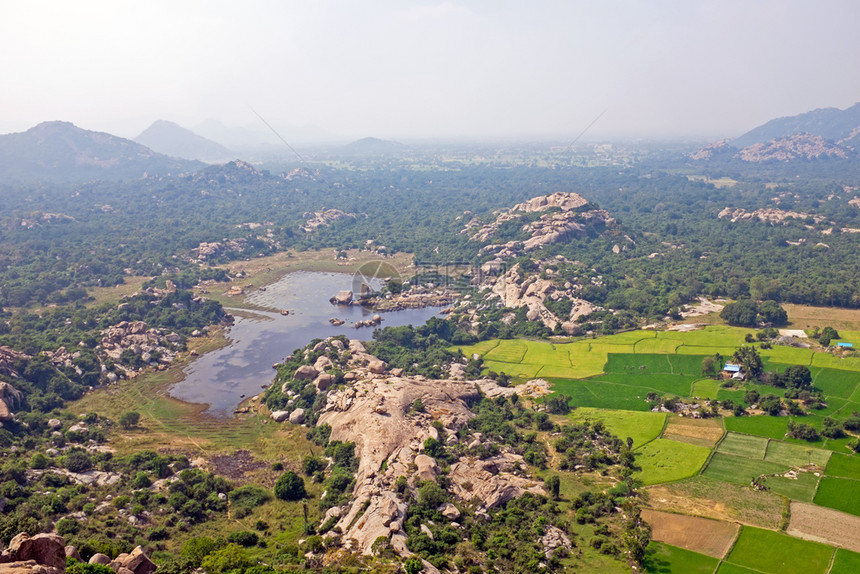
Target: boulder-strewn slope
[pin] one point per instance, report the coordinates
(375, 412)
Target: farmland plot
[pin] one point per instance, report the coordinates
(702, 432)
(812, 522)
(775, 553)
(839, 493)
(744, 445)
(666, 559)
(703, 535)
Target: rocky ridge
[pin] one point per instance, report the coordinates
(567, 217)
(374, 409)
(766, 215)
(323, 218)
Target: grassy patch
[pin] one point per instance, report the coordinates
(796, 455)
(801, 488)
(664, 460)
(836, 382)
(591, 393)
(839, 493)
(844, 465)
(657, 345)
(662, 383)
(744, 445)
(846, 562)
(767, 426)
(642, 427)
(508, 351)
(738, 469)
(830, 361)
(665, 559)
(728, 568)
(706, 389)
(775, 553)
(787, 355)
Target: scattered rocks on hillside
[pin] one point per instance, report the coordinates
(8, 358)
(323, 218)
(770, 215)
(139, 339)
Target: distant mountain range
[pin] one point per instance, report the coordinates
(832, 124)
(174, 140)
(827, 133)
(61, 151)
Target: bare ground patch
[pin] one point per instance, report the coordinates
(704, 535)
(702, 496)
(806, 317)
(826, 525)
(235, 466)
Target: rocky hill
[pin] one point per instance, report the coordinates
(561, 216)
(174, 140)
(828, 123)
(65, 152)
(792, 147)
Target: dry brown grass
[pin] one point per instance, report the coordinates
(807, 317)
(702, 496)
(704, 432)
(826, 525)
(711, 537)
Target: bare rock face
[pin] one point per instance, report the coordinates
(305, 373)
(72, 552)
(280, 416)
(99, 558)
(41, 553)
(297, 417)
(427, 467)
(377, 367)
(137, 562)
(554, 538)
(375, 413)
(10, 400)
(324, 381)
(490, 480)
(8, 358)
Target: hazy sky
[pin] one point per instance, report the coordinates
(400, 69)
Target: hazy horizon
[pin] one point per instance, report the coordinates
(428, 70)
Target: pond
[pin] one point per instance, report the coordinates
(259, 339)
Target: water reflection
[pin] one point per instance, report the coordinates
(244, 366)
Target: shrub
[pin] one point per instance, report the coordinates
(290, 486)
(66, 526)
(78, 461)
(129, 419)
(244, 538)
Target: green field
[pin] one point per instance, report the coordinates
(771, 427)
(706, 389)
(844, 465)
(663, 558)
(744, 445)
(835, 382)
(728, 568)
(641, 427)
(839, 493)
(738, 469)
(801, 488)
(602, 395)
(664, 460)
(662, 383)
(846, 562)
(774, 553)
(796, 455)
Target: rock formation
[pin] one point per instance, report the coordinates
(10, 400)
(375, 412)
(42, 553)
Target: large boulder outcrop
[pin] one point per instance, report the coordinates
(305, 373)
(375, 412)
(10, 400)
(40, 553)
(136, 561)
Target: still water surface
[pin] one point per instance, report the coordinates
(244, 365)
